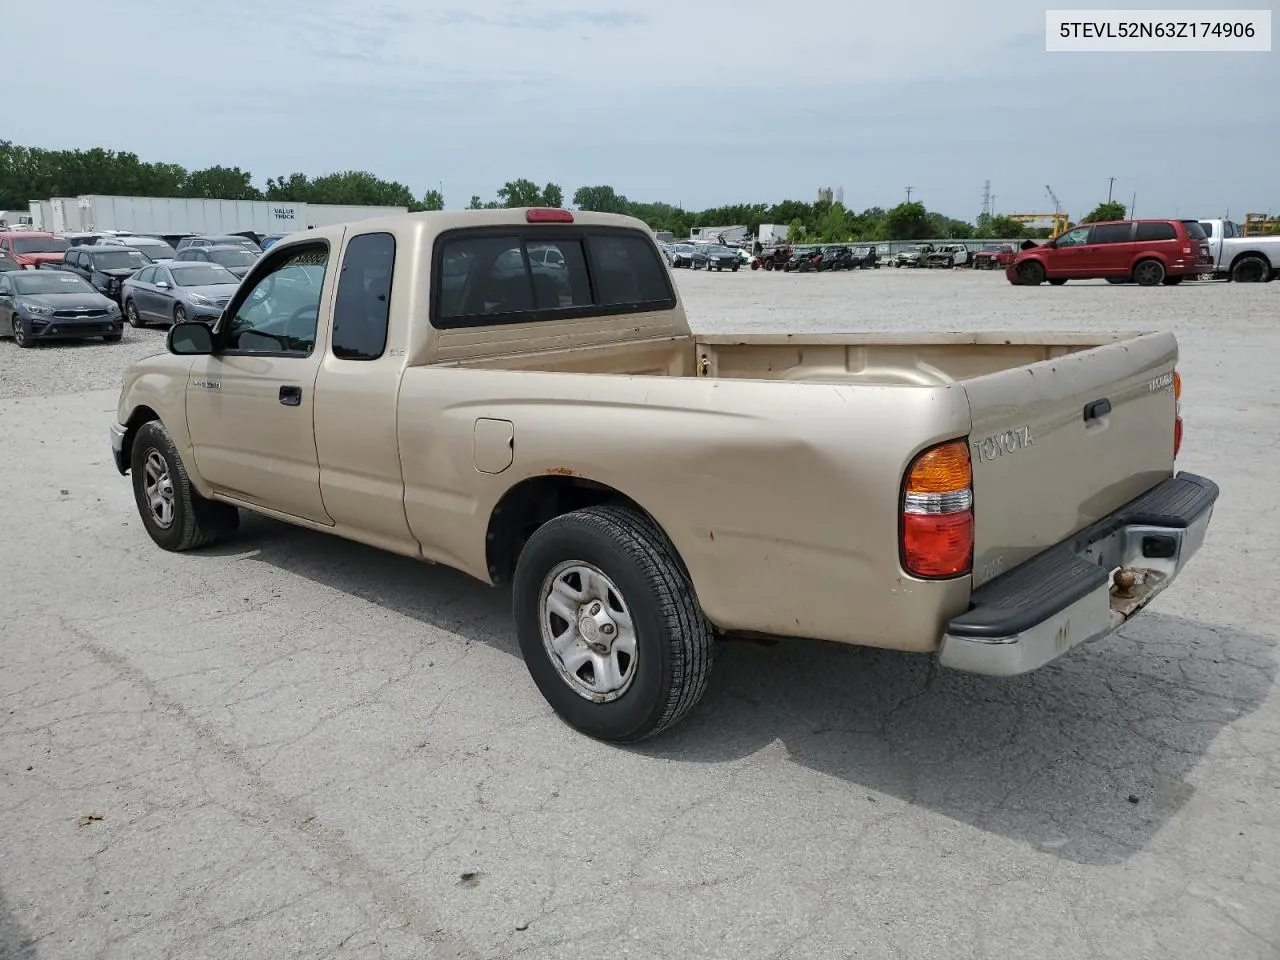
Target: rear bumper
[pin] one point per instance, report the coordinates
(1065, 596)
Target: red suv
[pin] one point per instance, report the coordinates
(1149, 252)
(29, 249)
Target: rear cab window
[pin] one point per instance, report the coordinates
(519, 275)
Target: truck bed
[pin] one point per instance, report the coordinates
(909, 359)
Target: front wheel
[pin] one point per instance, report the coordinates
(609, 626)
(175, 515)
(131, 314)
(20, 334)
(179, 314)
(1030, 274)
(1057, 281)
(112, 338)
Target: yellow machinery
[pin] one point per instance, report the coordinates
(1059, 220)
(1259, 224)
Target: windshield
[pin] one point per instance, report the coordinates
(36, 282)
(232, 258)
(715, 250)
(155, 249)
(239, 242)
(120, 260)
(202, 274)
(682, 248)
(40, 245)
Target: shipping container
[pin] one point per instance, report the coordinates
(171, 215)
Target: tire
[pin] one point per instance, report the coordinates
(1148, 273)
(112, 338)
(1250, 269)
(20, 335)
(131, 314)
(1117, 280)
(192, 521)
(736, 266)
(1030, 274)
(179, 314)
(768, 265)
(1057, 281)
(630, 561)
(1172, 281)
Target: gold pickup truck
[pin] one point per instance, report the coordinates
(517, 394)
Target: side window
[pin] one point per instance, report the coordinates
(1112, 233)
(627, 271)
(279, 314)
(363, 302)
(145, 275)
(1149, 231)
(1207, 227)
(1074, 238)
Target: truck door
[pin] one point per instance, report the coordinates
(249, 405)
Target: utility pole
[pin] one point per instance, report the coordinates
(1109, 188)
(909, 189)
(1132, 205)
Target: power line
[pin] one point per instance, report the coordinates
(909, 189)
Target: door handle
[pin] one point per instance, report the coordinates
(1097, 409)
(291, 396)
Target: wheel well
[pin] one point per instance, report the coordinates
(1250, 253)
(139, 416)
(530, 504)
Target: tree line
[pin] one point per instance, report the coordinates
(33, 172)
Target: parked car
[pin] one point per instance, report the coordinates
(1148, 252)
(721, 257)
(80, 239)
(804, 260)
(912, 256)
(54, 305)
(32, 248)
(1238, 257)
(836, 258)
(688, 255)
(105, 268)
(961, 506)
(271, 238)
(217, 240)
(946, 256)
(237, 259)
(864, 257)
(157, 250)
(176, 292)
(993, 255)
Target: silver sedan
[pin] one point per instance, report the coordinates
(175, 292)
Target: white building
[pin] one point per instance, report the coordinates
(715, 234)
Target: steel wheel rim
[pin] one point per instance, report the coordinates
(1149, 271)
(158, 488)
(131, 312)
(588, 631)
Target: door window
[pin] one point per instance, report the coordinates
(1112, 233)
(279, 314)
(146, 275)
(1156, 230)
(1074, 238)
(362, 305)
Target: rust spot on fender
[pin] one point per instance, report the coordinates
(561, 471)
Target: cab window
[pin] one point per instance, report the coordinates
(279, 314)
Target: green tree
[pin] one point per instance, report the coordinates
(476, 203)
(602, 199)
(796, 231)
(832, 227)
(1111, 210)
(295, 188)
(1000, 227)
(432, 200)
(520, 193)
(908, 221)
(221, 183)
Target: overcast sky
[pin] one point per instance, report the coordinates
(692, 102)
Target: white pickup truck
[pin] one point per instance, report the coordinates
(1240, 258)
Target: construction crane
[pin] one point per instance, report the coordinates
(1057, 204)
(1058, 219)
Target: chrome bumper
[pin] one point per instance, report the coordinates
(1065, 596)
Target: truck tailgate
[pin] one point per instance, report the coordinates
(1056, 445)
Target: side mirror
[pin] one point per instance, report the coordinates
(162, 284)
(190, 339)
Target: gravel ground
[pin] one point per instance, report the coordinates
(288, 745)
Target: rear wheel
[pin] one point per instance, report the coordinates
(1149, 273)
(112, 338)
(1172, 281)
(1251, 269)
(1058, 281)
(1030, 274)
(609, 626)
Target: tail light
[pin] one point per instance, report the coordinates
(937, 512)
(1177, 413)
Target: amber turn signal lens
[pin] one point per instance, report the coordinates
(942, 469)
(1177, 385)
(938, 546)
